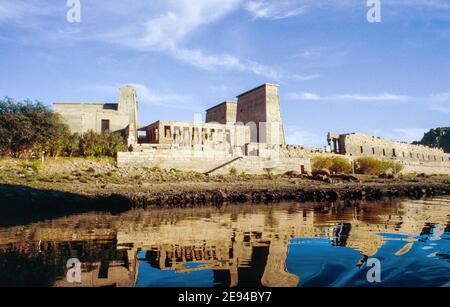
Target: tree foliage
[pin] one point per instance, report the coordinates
(29, 127)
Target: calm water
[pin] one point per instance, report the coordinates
(292, 245)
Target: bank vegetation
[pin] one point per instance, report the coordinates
(29, 128)
(361, 166)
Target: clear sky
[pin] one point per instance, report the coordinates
(337, 71)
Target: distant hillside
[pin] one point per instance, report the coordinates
(439, 137)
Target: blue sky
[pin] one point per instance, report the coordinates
(337, 71)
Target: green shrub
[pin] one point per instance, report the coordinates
(341, 165)
(338, 165)
(31, 178)
(321, 162)
(156, 169)
(35, 165)
(269, 174)
(233, 171)
(372, 166)
(114, 143)
(245, 176)
(73, 145)
(92, 144)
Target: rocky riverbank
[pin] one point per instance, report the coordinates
(23, 204)
(26, 197)
(220, 197)
(31, 192)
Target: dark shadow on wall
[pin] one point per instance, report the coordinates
(21, 205)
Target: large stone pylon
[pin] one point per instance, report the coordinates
(128, 105)
(276, 274)
(261, 108)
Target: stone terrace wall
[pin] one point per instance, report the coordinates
(282, 158)
(193, 161)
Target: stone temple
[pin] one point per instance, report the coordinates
(246, 135)
(99, 117)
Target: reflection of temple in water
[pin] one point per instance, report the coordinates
(243, 264)
(242, 245)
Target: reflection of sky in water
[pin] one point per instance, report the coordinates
(325, 244)
(319, 263)
(153, 277)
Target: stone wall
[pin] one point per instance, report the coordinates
(275, 128)
(224, 113)
(415, 158)
(257, 158)
(82, 117)
(356, 144)
(425, 168)
(261, 106)
(206, 161)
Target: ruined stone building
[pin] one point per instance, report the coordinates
(261, 107)
(416, 158)
(224, 113)
(99, 117)
(256, 118)
(247, 135)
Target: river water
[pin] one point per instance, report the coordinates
(393, 242)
